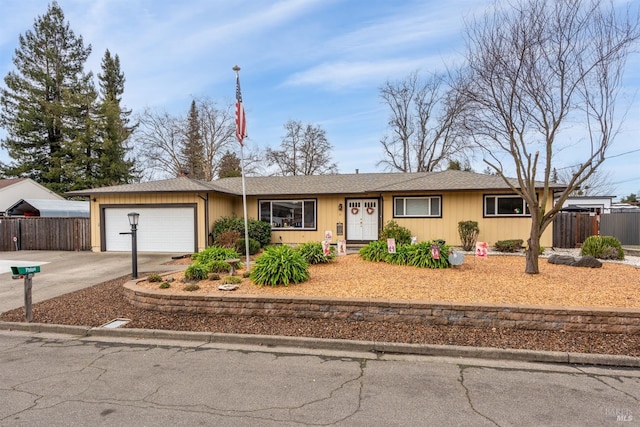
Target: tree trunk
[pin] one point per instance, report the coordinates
(533, 243)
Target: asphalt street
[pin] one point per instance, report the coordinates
(63, 272)
(60, 380)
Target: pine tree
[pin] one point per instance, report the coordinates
(112, 166)
(46, 103)
(229, 166)
(193, 146)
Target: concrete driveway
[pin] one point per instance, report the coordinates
(63, 272)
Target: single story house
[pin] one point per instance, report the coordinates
(176, 214)
(49, 208)
(14, 189)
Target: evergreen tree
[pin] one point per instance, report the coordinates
(113, 167)
(229, 166)
(47, 103)
(193, 146)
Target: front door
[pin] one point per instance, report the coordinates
(362, 219)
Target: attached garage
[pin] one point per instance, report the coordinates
(166, 228)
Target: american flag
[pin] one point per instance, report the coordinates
(241, 125)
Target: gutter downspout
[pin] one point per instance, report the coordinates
(206, 219)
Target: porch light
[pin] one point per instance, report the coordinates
(133, 218)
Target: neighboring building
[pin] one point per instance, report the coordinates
(595, 204)
(49, 208)
(14, 189)
(176, 215)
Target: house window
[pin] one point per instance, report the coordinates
(507, 205)
(417, 206)
(292, 214)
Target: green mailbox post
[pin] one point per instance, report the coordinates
(26, 273)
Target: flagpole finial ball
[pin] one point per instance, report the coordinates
(236, 68)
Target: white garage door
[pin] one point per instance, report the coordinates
(161, 229)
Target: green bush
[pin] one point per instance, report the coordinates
(258, 230)
(231, 280)
(513, 245)
(312, 253)
(279, 265)
(215, 253)
(394, 231)
(165, 285)
(217, 266)
(603, 247)
(191, 287)
(468, 231)
(421, 255)
(196, 271)
(254, 246)
(214, 276)
(375, 251)
(154, 278)
(402, 255)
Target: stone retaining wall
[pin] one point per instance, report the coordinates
(475, 315)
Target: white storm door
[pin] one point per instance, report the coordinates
(362, 219)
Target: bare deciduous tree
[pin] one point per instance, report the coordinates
(159, 139)
(423, 119)
(536, 68)
(164, 141)
(598, 184)
(304, 151)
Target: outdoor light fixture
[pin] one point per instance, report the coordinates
(133, 218)
(133, 221)
(339, 206)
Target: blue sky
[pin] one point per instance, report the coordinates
(316, 61)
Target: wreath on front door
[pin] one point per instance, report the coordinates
(370, 210)
(355, 211)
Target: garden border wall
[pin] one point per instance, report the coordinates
(609, 320)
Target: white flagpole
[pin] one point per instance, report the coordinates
(244, 192)
(244, 206)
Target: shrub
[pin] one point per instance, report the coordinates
(217, 266)
(165, 285)
(154, 278)
(374, 251)
(227, 239)
(196, 271)
(279, 265)
(312, 253)
(513, 245)
(603, 247)
(215, 253)
(468, 231)
(246, 274)
(231, 280)
(421, 255)
(191, 287)
(394, 231)
(402, 255)
(254, 246)
(257, 230)
(214, 276)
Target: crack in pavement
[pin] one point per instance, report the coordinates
(614, 377)
(462, 369)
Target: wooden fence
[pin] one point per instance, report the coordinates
(48, 234)
(570, 229)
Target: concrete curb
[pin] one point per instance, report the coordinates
(333, 344)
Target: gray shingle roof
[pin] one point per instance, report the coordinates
(448, 180)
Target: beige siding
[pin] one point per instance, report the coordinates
(465, 206)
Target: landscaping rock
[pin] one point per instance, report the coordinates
(561, 259)
(585, 261)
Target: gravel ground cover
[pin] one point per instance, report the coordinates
(497, 279)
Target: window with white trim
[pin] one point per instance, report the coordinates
(291, 214)
(505, 205)
(430, 206)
